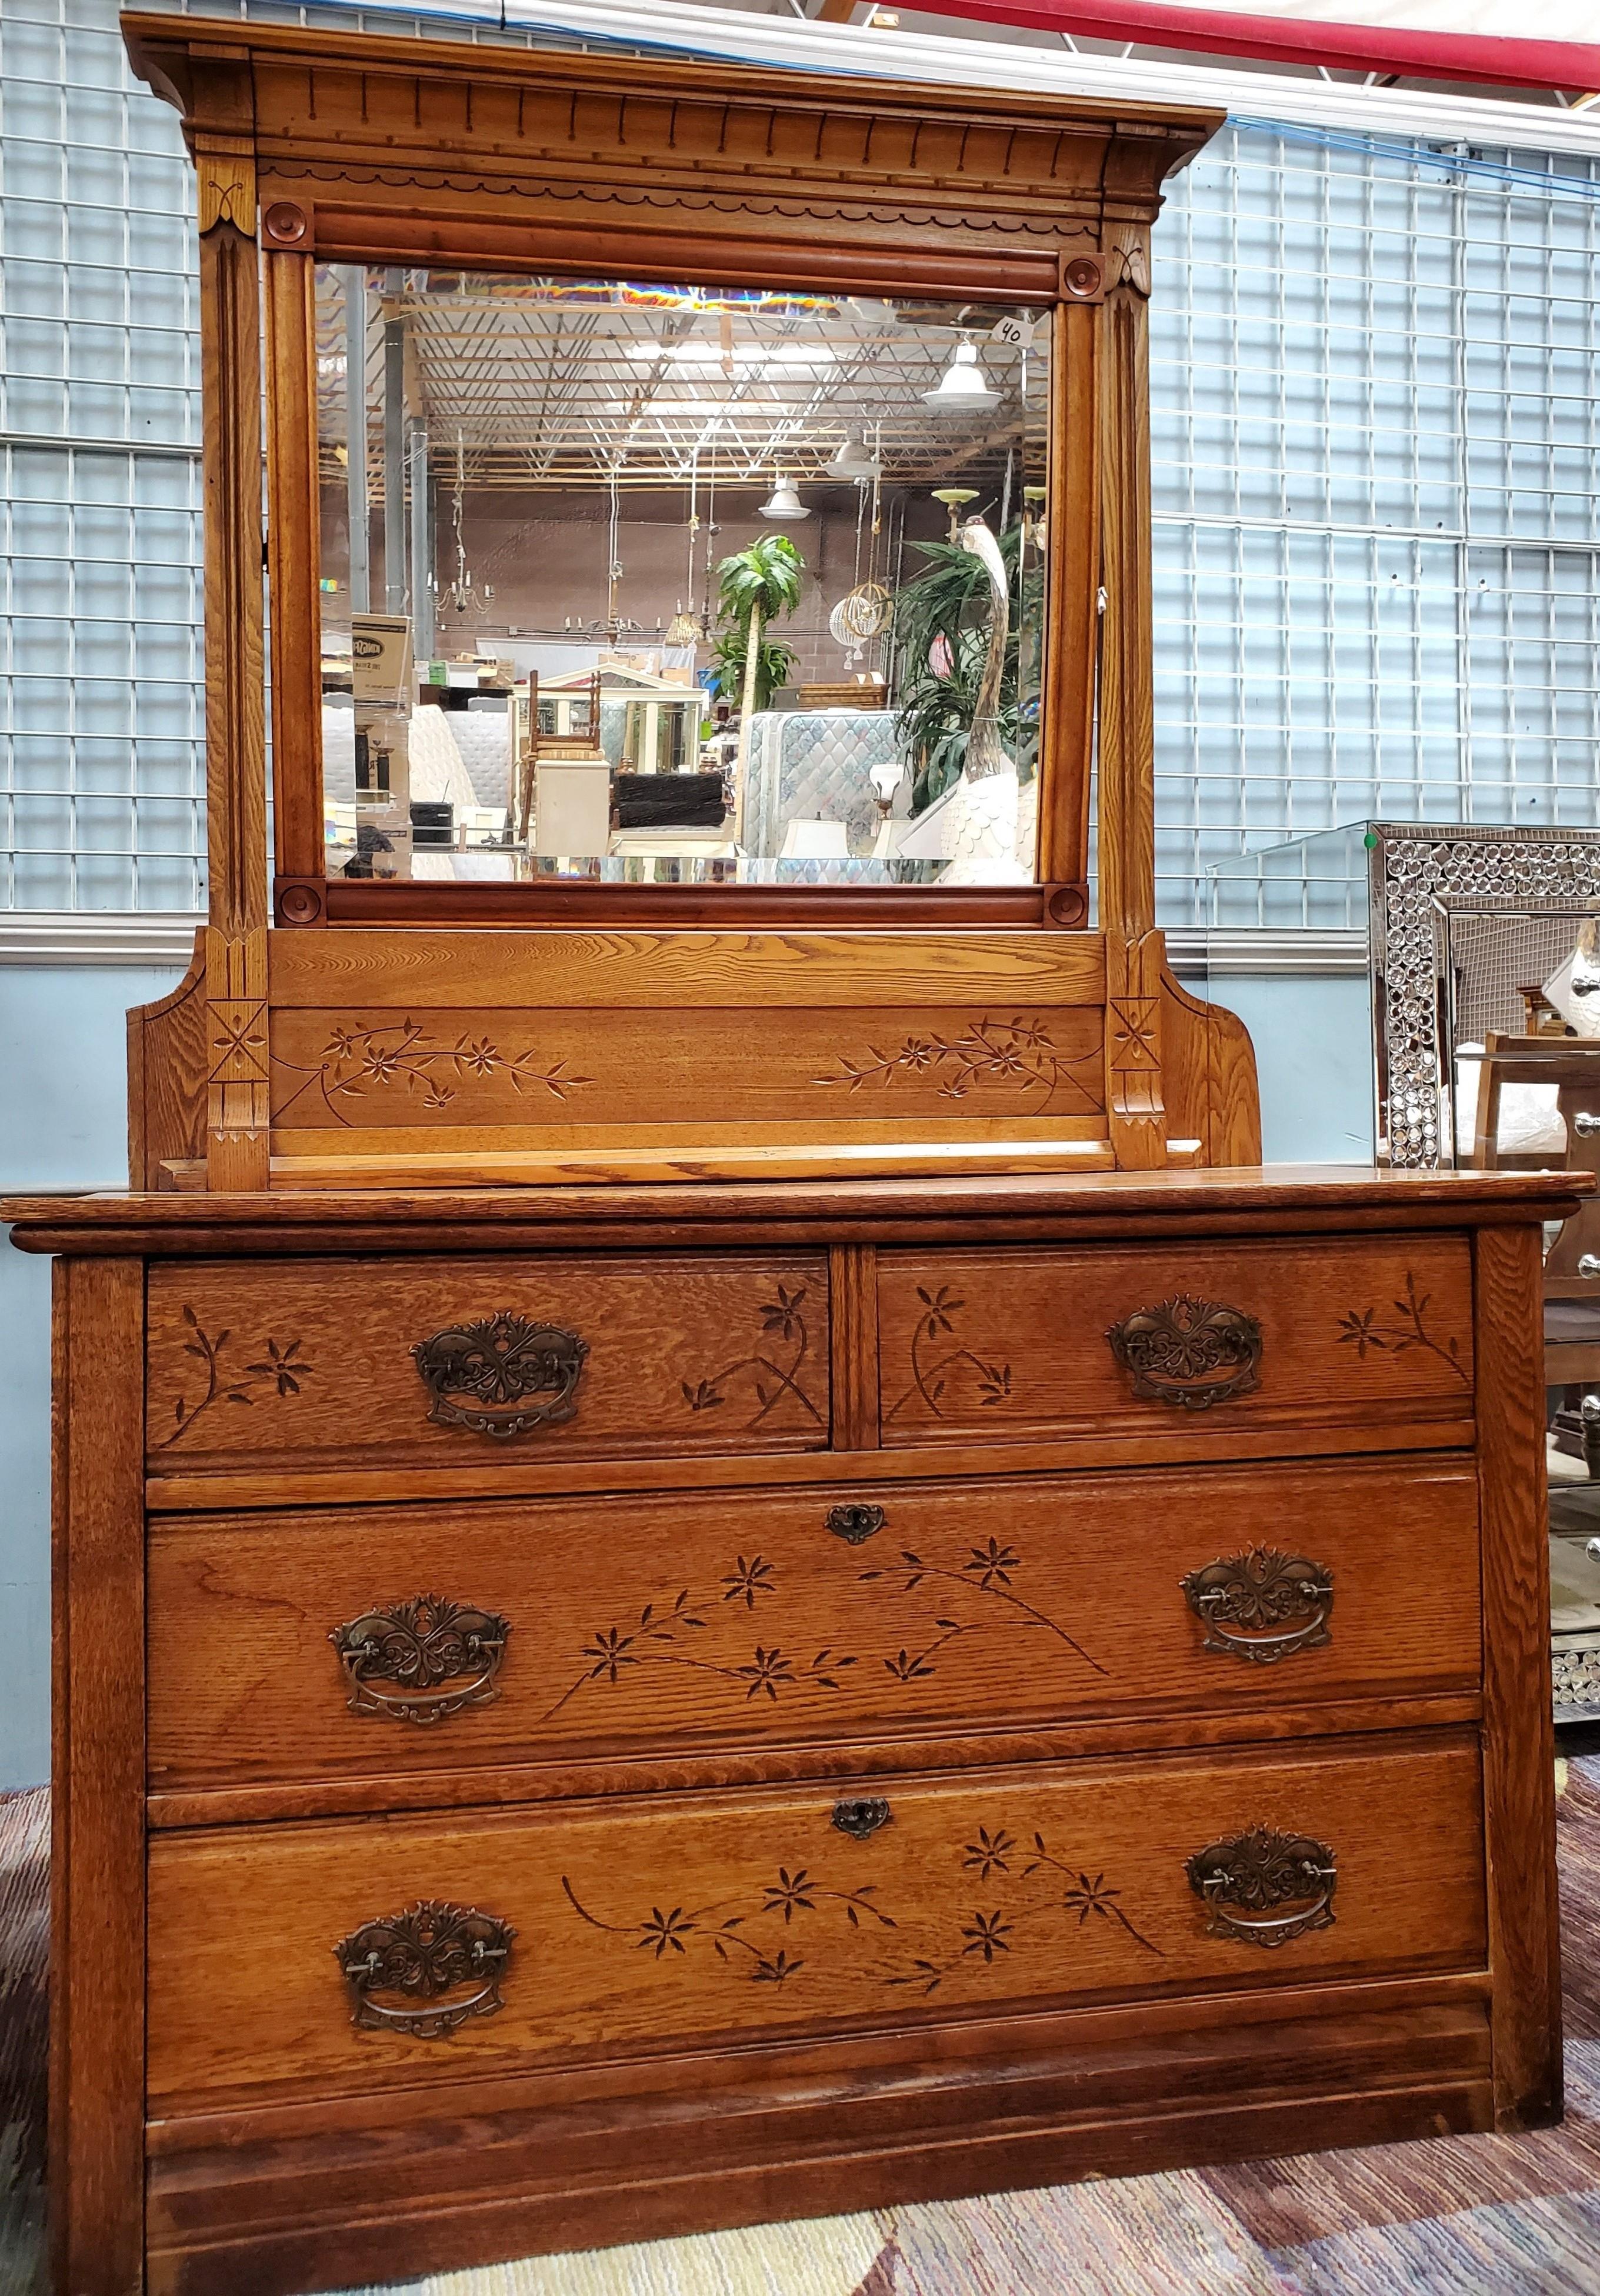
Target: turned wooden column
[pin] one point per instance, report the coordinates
(236, 1071)
(1135, 952)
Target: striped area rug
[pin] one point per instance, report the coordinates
(1480, 2216)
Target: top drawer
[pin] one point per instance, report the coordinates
(389, 1363)
(1026, 1342)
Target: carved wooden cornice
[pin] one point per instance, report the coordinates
(396, 148)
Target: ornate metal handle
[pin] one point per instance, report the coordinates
(857, 1524)
(480, 1376)
(1264, 1888)
(417, 1647)
(1190, 1352)
(1261, 1605)
(860, 1819)
(425, 1971)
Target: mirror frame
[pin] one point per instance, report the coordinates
(362, 149)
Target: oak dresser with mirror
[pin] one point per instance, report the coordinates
(721, 1553)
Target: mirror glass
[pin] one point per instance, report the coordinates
(678, 585)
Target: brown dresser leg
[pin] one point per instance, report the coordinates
(1519, 1748)
(97, 1855)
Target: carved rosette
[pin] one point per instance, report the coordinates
(421, 1660)
(1261, 1605)
(1265, 1888)
(1190, 1352)
(426, 1971)
(503, 1377)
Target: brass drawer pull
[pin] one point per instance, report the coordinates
(860, 1819)
(855, 1523)
(418, 1647)
(1264, 1888)
(480, 1376)
(426, 1971)
(1190, 1352)
(1262, 1606)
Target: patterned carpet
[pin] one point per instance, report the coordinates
(1498, 2216)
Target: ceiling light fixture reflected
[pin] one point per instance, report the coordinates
(853, 461)
(784, 500)
(962, 385)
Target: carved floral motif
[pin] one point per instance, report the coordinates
(380, 1058)
(658, 1635)
(283, 1366)
(1362, 1329)
(1018, 1053)
(989, 1570)
(983, 1936)
(769, 1380)
(932, 1366)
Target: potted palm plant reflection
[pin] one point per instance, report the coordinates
(755, 588)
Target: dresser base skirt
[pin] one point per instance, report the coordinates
(336, 2195)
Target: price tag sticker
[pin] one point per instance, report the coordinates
(1017, 333)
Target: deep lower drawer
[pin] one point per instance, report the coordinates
(1030, 1341)
(310, 1646)
(386, 1363)
(302, 1960)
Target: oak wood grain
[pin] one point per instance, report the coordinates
(167, 1075)
(260, 1483)
(389, 968)
(1455, 2003)
(773, 1620)
(1303, 1199)
(585, 1888)
(1005, 1344)
(1081, 2087)
(462, 1071)
(237, 1117)
(1209, 1075)
(1519, 1770)
(294, 550)
(314, 1361)
(1072, 602)
(853, 1327)
(1125, 762)
(97, 1822)
(886, 1753)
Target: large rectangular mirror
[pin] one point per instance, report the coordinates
(643, 584)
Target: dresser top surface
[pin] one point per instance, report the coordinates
(1311, 1197)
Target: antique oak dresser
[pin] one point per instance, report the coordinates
(739, 1645)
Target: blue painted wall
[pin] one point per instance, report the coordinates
(1313, 1040)
(63, 1124)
